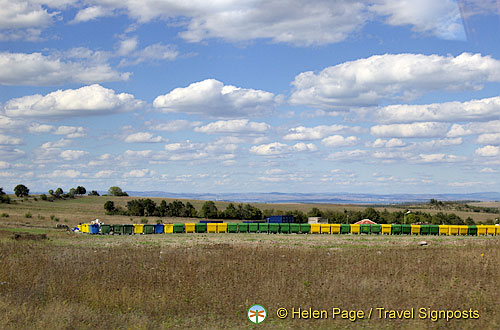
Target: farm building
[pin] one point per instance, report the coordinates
(314, 220)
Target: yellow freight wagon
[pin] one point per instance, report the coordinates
(335, 228)
(325, 228)
(211, 227)
(386, 229)
(189, 227)
(444, 229)
(222, 227)
(138, 228)
(415, 229)
(454, 230)
(490, 230)
(168, 228)
(355, 229)
(481, 230)
(315, 228)
(463, 230)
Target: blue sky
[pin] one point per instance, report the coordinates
(377, 96)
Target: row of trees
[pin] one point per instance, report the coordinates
(147, 207)
(22, 191)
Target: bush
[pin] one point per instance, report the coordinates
(5, 215)
(144, 220)
(43, 197)
(28, 215)
(52, 217)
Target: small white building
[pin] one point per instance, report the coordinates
(312, 220)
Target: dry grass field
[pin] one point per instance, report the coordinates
(208, 281)
(186, 281)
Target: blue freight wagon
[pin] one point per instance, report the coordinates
(211, 221)
(281, 219)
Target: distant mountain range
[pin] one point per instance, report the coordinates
(331, 198)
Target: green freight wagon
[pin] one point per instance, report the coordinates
(264, 228)
(105, 229)
(345, 228)
(365, 229)
(375, 229)
(434, 229)
(232, 227)
(178, 228)
(201, 228)
(294, 228)
(149, 229)
(305, 228)
(472, 230)
(274, 228)
(243, 227)
(128, 229)
(117, 229)
(406, 229)
(396, 229)
(425, 230)
(253, 227)
(285, 228)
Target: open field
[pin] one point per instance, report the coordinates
(209, 281)
(85, 209)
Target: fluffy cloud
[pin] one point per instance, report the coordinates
(174, 125)
(313, 133)
(5, 139)
(440, 18)
(491, 138)
(347, 155)
(214, 99)
(439, 158)
(71, 132)
(474, 128)
(488, 151)
(104, 174)
(39, 70)
(233, 126)
(90, 13)
(277, 148)
(143, 137)
(72, 154)
(88, 100)
(138, 173)
(4, 165)
(429, 129)
(368, 81)
(65, 173)
(392, 143)
(474, 110)
(339, 141)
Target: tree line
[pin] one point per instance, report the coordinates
(148, 208)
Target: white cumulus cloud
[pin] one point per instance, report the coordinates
(143, 137)
(339, 141)
(37, 69)
(73, 154)
(426, 129)
(368, 81)
(233, 126)
(5, 139)
(488, 151)
(214, 99)
(88, 100)
(313, 133)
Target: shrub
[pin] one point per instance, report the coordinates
(52, 217)
(43, 197)
(28, 215)
(144, 220)
(5, 215)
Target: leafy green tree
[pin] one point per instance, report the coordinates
(1, 191)
(21, 190)
(116, 191)
(190, 211)
(163, 209)
(4, 198)
(315, 212)
(58, 192)
(231, 212)
(149, 207)
(93, 193)
(109, 206)
(176, 208)
(135, 207)
(51, 192)
(209, 210)
(81, 190)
